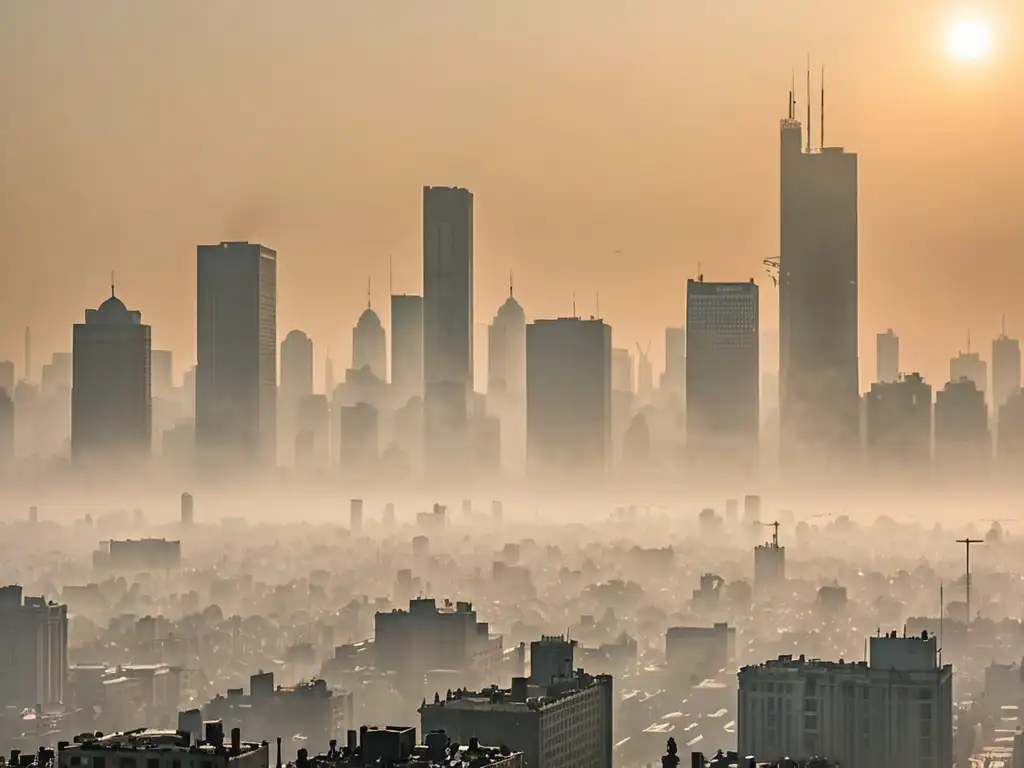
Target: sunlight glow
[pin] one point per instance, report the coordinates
(969, 39)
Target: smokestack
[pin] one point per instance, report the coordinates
(236, 741)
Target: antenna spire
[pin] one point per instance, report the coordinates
(369, 305)
(808, 102)
(574, 304)
(821, 122)
(510, 294)
(112, 294)
(792, 95)
(391, 276)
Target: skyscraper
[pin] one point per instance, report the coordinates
(447, 324)
(6, 429)
(722, 374)
(236, 375)
(568, 396)
(296, 385)
(7, 376)
(369, 344)
(674, 378)
(407, 346)
(1005, 370)
(899, 427)
(506, 381)
(163, 373)
(622, 370)
(111, 401)
(818, 366)
(969, 365)
(963, 448)
(887, 357)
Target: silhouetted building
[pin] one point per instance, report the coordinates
(622, 371)
(359, 446)
(1010, 434)
(674, 378)
(769, 567)
(899, 425)
(887, 357)
(891, 713)
(552, 659)
(818, 364)
(313, 436)
(568, 396)
(236, 376)
(163, 373)
(722, 375)
(447, 325)
(6, 429)
(407, 346)
(111, 401)
(34, 662)
(296, 385)
(506, 379)
(969, 365)
(962, 443)
(157, 748)
(1005, 370)
(369, 344)
(129, 556)
(698, 653)
(7, 377)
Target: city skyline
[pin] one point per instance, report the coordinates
(666, 209)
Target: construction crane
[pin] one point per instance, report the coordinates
(771, 266)
(775, 533)
(643, 352)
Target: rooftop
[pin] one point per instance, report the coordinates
(156, 740)
(521, 696)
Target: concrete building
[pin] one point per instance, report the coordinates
(567, 724)
(359, 445)
(6, 430)
(673, 380)
(818, 317)
(506, 380)
(568, 397)
(407, 346)
(396, 747)
(447, 325)
(34, 664)
(551, 659)
(898, 432)
(969, 365)
(622, 370)
(236, 339)
(369, 344)
(1005, 370)
(699, 653)
(769, 567)
(722, 376)
(111, 396)
(887, 357)
(296, 385)
(163, 373)
(963, 448)
(137, 556)
(7, 379)
(894, 712)
(165, 749)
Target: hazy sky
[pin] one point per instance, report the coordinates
(130, 131)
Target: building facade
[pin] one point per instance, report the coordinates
(34, 664)
(898, 431)
(370, 345)
(407, 346)
(1005, 370)
(887, 357)
(296, 385)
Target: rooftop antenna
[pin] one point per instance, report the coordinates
(574, 304)
(368, 288)
(792, 95)
(391, 276)
(111, 283)
(597, 309)
(968, 341)
(942, 610)
(967, 574)
(510, 294)
(821, 122)
(808, 102)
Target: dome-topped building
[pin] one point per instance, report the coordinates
(369, 343)
(506, 348)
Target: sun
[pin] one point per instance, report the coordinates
(969, 39)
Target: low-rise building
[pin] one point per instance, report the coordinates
(145, 748)
(396, 747)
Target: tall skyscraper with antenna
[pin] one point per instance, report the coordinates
(818, 266)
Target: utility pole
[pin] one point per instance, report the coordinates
(967, 547)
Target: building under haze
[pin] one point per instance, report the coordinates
(1010, 435)
(969, 365)
(407, 346)
(818, 362)
(236, 375)
(111, 396)
(359, 443)
(898, 435)
(6, 429)
(296, 385)
(369, 344)
(1005, 370)
(163, 373)
(506, 379)
(568, 396)
(447, 325)
(887, 357)
(7, 377)
(963, 446)
(673, 380)
(34, 664)
(722, 375)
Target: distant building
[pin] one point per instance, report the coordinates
(407, 346)
(895, 712)
(369, 344)
(1010, 434)
(447, 325)
(159, 748)
(313, 433)
(887, 357)
(552, 660)
(722, 375)
(163, 373)
(969, 365)
(34, 664)
(699, 653)
(506, 379)
(899, 425)
(6, 429)
(1005, 370)
(673, 379)
(111, 397)
(359, 447)
(622, 371)
(139, 556)
(7, 377)
(236, 338)
(564, 724)
(769, 568)
(568, 396)
(296, 385)
(962, 443)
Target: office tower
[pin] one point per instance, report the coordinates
(899, 427)
(296, 385)
(355, 515)
(359, 444)
(1005, 370)
(369, 345)
(551, 659)
(111, 401)
(887, 357)
(644, 376)
(6, 429)
(34, 664)
(188, 509)
(769, 568)
(236, 377)
(55, 378)
(673, 379)
(622, 371)
(891, 712)
(506, 381)
(700, 653)
(7, 376)
(962, 442)
(407, 346)
(568, 396)
(1010, 435)
(313, 433)
(722, 374)
(447, 325)
(818, 366)
(163, 373)
(969, 365)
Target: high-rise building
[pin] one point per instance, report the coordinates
(506, 349)
(1010, 435)
(236, 375)
(674, 378)
(969, 365)
(407, 346)
(6, 429)
(818, 364)
(887, 357)
(1005, 370)
(313, 433)
(895, 711)
(111, 396)
(369, 345)
(34, 664)
(622, 370)
(359, 444)
(644, 377)
(7, 377)
(722, 374)
(962, 443)
(163, 373)
(568, 396)
(296, 386)
(899, 426)
(447, 325)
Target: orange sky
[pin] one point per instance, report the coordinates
(131, 131)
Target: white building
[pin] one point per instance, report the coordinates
(894, 712)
